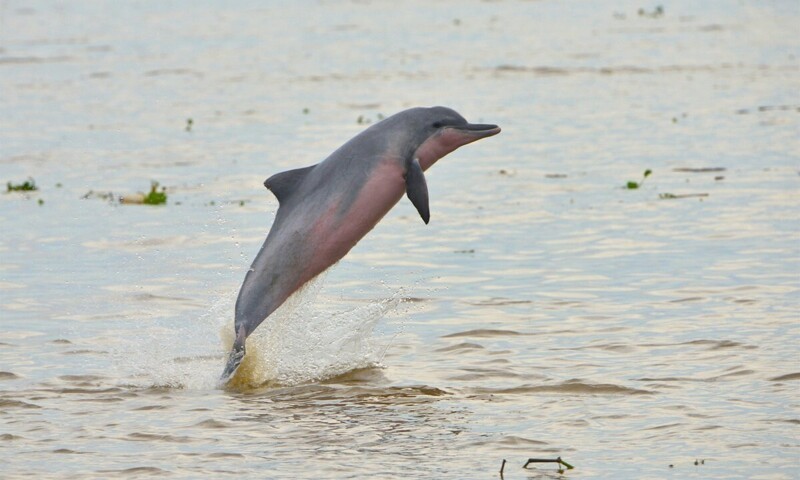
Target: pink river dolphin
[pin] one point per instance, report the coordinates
(325, 209)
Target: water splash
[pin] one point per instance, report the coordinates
(182, 353)
(306, 340)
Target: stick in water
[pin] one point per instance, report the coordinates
(548, 460)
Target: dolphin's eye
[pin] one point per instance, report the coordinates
(437, 124)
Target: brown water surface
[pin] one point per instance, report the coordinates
(546, 310)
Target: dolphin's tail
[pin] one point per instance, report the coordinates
(234, 358)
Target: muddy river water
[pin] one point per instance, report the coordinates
(546, 310)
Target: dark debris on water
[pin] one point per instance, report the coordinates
(673, 196)
(699, 169)
(562, 465)
(28, 185)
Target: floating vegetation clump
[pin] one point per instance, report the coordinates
(631, 185)
(363, 120)
(657, 12)
(155, 197)
(28, 185)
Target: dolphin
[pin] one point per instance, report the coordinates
(325, 209)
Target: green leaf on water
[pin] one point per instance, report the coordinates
(632, 185)
(155, 197)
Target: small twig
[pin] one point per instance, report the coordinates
(548, 460)
(502, 466)
(671, 196)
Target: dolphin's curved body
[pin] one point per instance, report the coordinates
(325, 209)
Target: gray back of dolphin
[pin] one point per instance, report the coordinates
(324, 209)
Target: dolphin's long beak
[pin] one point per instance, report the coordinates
(450, 138)
(477, 130)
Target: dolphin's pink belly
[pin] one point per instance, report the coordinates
(336, 233)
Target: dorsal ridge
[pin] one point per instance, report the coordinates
(283, 184)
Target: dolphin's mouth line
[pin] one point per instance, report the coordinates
(478, 129)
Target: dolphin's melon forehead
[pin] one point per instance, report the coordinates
(432, 114)
(443, 111)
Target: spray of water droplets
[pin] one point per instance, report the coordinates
(306, 340)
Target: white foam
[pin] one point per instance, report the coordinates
(309, 340)
(306, 340)
(173, 354)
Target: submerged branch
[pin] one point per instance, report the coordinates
(548, 460)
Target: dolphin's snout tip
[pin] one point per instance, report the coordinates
(480, 130)
(494, 131)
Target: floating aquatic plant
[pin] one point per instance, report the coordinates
(631, 185)
(364, 120)
(155, 197)
(28, 185)
(657, 12)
